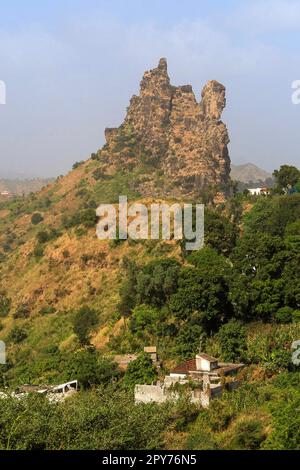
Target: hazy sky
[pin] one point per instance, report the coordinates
(71, 66)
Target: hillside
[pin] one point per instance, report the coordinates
(249, 173)
(71, 303)
(58, 263)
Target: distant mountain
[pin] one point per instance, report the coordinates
(249, 173)
(23, 186)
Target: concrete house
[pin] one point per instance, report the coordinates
(211, 376)
(259, 191)
(53, 393)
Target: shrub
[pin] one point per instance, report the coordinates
(284, 315)
(17, 335)
(98, 174)
(86, 217)
(144, 318)
(38, 251)
(47, 310)
(140, 371)
(42, 237)
(249, 434)
(296, 316)
(77, 164)
(22, 311)
(36, 218)
(5, 304)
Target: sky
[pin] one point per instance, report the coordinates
(70, 68)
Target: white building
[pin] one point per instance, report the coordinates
(258, 191)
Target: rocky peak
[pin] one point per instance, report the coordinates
(182, 137)
(213, 100)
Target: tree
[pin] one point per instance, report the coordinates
(256, 286)
(220, 232)
(188, 341)
(83, 323)
(140, 371)
(157, 281)
(286, 177)
(90, 369)
(272, 215)
(128, 288)
(144, 317)
(204, 293)
(232, 339)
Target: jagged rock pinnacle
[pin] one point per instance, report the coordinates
(182, 137)
(163, 64)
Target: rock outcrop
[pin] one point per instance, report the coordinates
(167, 127)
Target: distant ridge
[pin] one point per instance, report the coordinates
(23, 186)
(249, 173)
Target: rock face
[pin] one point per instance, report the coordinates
(165, 125)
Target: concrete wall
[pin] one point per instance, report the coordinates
(149, 393)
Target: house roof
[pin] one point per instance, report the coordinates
(207, 357)
(185, 367)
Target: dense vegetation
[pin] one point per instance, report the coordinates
(238, 299)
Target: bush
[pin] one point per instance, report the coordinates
(284, 315)
(38, 252)
(42, 237)
(140, 371)
(249, 434)
(5, 304)
(22, 311)
(47, 310)
(296, 316)
(36, 218)
(144, 318)
(77, 164)
(86, 217)
(98, 174)
(17, 335)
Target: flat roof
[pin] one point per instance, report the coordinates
(207, 357)
(150, 349)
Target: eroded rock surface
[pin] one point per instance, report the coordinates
(165, 126)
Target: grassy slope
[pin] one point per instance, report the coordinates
(76, 267)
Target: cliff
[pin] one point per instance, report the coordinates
(165, 126)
